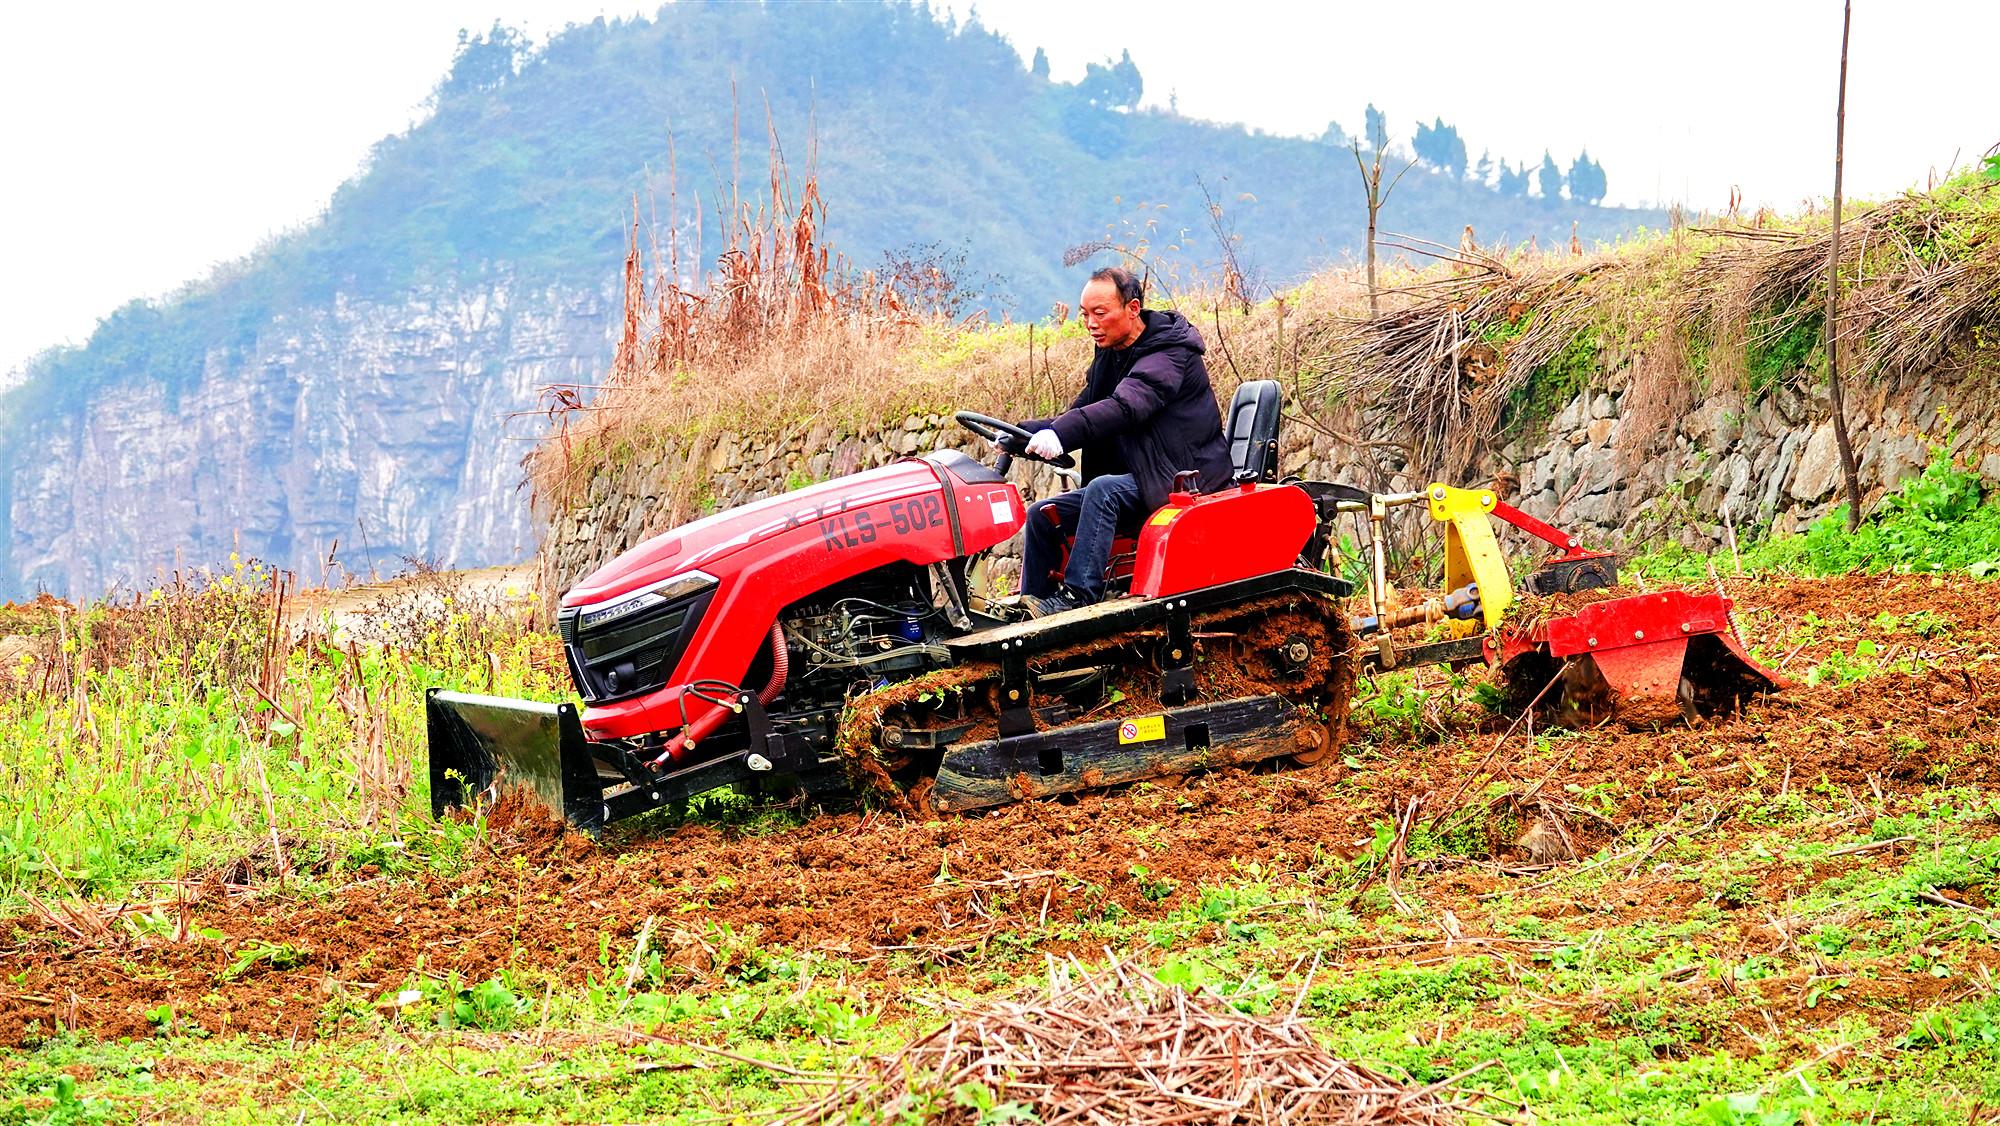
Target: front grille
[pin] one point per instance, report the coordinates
(632, 655)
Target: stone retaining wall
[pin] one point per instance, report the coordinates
(1755, 461)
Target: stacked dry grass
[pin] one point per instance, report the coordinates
(1119, 1046)
(1921, 294)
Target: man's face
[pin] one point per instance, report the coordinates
(1112, 323)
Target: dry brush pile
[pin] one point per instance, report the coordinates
(1117, 1045)
(1461, 353)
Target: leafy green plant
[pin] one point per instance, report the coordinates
(1975, 1023)
(1732, 889)
(980, 1099)
(834, 1021)
(1558, 380)
(1782, 347)
(1741, 1109)
(275, 955)
(489, 1006)
(71, 1107)
(1152, 887)
(1940, 520)
(1391, 705)
(1846, 668)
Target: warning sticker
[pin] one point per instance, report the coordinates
(1146, 729)
(1001, 503)
(1164, 516)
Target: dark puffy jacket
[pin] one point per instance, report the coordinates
(1148, 410)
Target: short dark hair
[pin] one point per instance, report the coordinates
(1130, 288)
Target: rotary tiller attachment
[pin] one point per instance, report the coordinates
(1646, 660)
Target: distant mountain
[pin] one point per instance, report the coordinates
(349, 381)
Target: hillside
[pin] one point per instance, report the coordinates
(350, 381)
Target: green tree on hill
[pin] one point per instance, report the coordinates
(1440, 146)
(1586, 180)
(483, 61)
(1113, 85)
(1549, 177)
(1377, 130)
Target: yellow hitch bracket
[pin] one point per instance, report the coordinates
(1471, 551)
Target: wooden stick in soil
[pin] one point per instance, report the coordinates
(1451, 804)
(1849, 471)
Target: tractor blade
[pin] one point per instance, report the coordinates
(480, 745)
(1653, 658)
(1642, 681)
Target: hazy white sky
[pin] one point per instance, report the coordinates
(148, 142)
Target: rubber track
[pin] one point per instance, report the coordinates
(855, 738)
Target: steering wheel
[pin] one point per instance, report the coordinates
(1009, 435)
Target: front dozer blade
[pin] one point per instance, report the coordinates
(481, 745)
(1648, 659)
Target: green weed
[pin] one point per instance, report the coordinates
(1938, 521)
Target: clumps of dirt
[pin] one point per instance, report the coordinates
(856, 739)
(1531, 611)
(521, 823)
(1119, 1045)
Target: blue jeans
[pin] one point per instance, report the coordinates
(1093, 514)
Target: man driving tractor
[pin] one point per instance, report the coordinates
(1147, 411)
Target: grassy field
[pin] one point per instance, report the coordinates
(228, 902)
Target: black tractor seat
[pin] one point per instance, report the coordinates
(1253, 430)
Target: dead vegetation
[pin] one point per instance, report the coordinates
(1119, 1045)
(778, 327)
(775, 333)
(1492, 336)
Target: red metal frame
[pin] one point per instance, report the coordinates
(1239, 533)
(1546, 532)
(1639, 643)
(803, 541)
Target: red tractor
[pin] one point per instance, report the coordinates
(831, 637)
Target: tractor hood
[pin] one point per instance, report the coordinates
(705, 545)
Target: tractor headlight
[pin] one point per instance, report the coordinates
(680, 586)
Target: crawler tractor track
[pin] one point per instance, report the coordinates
(1267, 678)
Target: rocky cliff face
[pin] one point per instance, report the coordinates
(385, 427)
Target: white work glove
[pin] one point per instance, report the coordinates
(1045, 445)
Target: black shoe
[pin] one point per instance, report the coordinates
(1064, 598)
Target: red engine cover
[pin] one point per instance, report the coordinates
(1240, 533)
(774, 552)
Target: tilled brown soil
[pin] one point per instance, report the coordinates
(890, 892)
